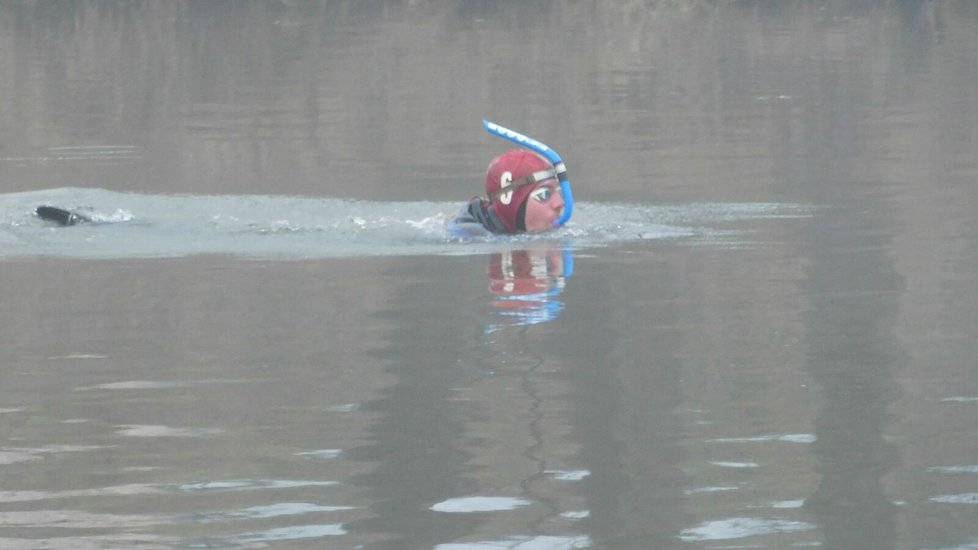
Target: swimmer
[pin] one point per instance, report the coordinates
(523, 196)
(526, 192)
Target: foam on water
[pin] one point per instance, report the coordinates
(290, 227)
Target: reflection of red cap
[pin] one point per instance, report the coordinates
(522, 272)
(508, 167)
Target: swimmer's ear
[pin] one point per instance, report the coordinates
(521, 215)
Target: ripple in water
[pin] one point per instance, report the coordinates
(963, 498)
(469, 505)
(251, 484)
(542, 542)
(278, 509)
(735, 528)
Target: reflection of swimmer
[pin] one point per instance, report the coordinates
(523, 195)
(527, 285)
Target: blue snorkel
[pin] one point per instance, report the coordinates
(551, 155)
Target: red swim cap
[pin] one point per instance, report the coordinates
(509, 167)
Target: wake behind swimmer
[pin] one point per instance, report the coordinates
(527, 192)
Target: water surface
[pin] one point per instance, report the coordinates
(757, 331)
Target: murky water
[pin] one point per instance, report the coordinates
(757, 331)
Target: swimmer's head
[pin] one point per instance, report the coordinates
(523, 191)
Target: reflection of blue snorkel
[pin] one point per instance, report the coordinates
(551, 155)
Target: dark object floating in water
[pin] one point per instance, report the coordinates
(61, 216)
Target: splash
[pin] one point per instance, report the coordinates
(130, 225)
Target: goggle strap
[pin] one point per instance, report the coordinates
(530, 179)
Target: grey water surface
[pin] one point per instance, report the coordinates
(758, 331)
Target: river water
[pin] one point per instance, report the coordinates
(757, 331)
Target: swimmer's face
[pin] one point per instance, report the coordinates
(543, 207)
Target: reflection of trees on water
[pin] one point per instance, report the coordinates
(417, 441)
(584, 400)
(471, 410)
(229, 95)
(855, 290)
(526, 382)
